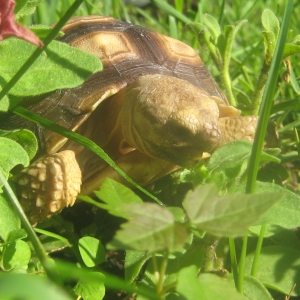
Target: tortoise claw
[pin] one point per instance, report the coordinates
(49, 185)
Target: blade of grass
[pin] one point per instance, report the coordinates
(255, 263)
(265, 111)
(170, 10)
(267, 101)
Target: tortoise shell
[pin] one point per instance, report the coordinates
(127, 52)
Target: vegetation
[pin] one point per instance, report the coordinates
(228, 226)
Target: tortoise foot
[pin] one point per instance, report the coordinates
(49, 185)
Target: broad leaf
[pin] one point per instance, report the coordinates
(4, 104)
(9, 220)
(29, 288)
(253, 288)
(91, 288)
(66, 67)
(205, 287)
(285, 213)
(213, 26)
(11, 155)
(91, 250)
(279, 268)
(290, 49)
(16, 255)
(26, 7)
(270, 22)
(228, 215)
(115, 195)
(151, 228)
(23, 137)
(134, 262)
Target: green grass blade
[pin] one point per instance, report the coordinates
(170, 10)
(267, 101)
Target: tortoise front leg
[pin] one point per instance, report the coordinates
(48, 185)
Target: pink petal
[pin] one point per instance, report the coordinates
(9, 28)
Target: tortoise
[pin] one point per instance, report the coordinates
(155, 107)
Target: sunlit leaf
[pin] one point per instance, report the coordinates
(151, 228)
(91, 250)
(66, 66)
(228, 215)
(279, 268)
(205, 287)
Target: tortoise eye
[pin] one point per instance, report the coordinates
(178, 132)
(181, 131)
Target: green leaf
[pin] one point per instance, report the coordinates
(25, 138)
(134, 262)
(269, 45)
(205, 40)
(225, 43)
(229, 215)
(11, 155)
(253, 288)
(4, 104)
(270, 23)
(16, 234)
(205, 287)
(91, 288)
(9, 220)
(66, 67)
(294, 82)
(193, 256)
(230, 156)
(212, 24)
(151, 228)
(42, 30)
(91, 250)
(26, 7)
(285, 213)
(29, 288)
(290, 49)
(115, 195)
(16, 255)
(278, 268)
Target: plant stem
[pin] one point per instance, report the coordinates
(46, 262)
(227, 85)
(259, 89)
(241, 275)
(34, 56)
(162, 272)
(233, 261)
(257, 251)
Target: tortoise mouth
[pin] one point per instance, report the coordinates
(182, 154)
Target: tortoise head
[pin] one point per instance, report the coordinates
(169, 118)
